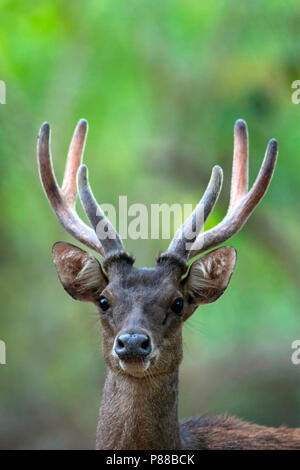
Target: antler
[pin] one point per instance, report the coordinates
(192, 226)
(242, 202)
(63, 200)
(106, 233)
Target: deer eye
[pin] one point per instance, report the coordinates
(177, 305)
(104, 304)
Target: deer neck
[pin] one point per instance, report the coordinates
(139, 413)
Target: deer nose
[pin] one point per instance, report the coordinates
(133, 346)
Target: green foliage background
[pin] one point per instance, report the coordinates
(161, 84)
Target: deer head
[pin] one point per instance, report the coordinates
(142, 310)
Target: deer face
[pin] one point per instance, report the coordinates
(142, 310)
(141, 329)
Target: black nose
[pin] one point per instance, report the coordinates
(133, 346)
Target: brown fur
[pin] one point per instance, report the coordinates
(224, 432)
(139, 413)
(139, 405)
(140, 306)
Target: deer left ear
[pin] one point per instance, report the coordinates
(209, 276)
(80, 273)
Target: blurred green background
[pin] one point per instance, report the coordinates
(161, 84)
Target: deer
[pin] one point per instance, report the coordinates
(142, 310)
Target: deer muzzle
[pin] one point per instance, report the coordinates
(133, 346)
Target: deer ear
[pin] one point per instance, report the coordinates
(209, 276)
(80, 273)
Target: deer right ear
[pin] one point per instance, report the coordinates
(80, 273)
(209, 276)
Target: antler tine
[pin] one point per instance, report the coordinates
(74, 159)
(238, 213)
(264, 176)
(239, 182)
(46, 167)
(192, 226)
(63, 200)
(106, 233)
